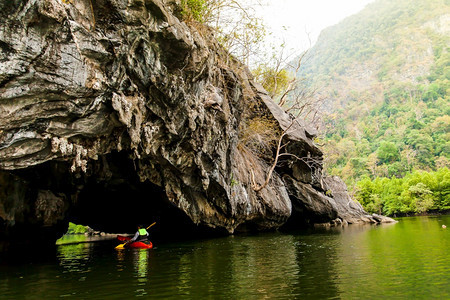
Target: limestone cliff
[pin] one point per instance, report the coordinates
(109, 104)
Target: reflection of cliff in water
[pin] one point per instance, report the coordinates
(269, 266)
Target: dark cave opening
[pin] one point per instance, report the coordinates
(299, 219)
(110, 198)
(117, 202)
(119, 207)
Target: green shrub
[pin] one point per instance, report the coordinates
(76, 229)
(193, 10)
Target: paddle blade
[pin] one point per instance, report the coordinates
(121, 246)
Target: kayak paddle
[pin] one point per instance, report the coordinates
(122, 246)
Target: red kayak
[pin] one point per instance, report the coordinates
(139, 245)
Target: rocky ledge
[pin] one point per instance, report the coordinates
(115, 109)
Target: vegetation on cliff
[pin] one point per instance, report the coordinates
(235, 25)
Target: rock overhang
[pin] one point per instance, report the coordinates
(128, 79)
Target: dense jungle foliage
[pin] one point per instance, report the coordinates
(417, 192)
(384, 76)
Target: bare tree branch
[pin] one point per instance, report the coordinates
(257, 187)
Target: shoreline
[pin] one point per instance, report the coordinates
(424, 214)
(69, 239)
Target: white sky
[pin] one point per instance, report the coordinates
(303, 17)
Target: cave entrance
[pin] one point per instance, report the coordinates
(114, 200)
(109, 198)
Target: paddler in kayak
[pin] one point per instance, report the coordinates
(140, 239)
(141, 235)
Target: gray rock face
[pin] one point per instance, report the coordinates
(81, 80)
(348, 210)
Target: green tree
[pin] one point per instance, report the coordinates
(388, 152)
(422, 197)
(375, 205)
(275, 81)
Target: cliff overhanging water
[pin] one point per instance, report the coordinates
(117, 109)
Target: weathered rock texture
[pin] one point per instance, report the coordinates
(121, 98)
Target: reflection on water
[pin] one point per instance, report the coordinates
(407, 260)
(120, 260)
(411, 256)
(141, 270)
(75, 258)
(258, 266)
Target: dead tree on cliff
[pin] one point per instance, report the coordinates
(313, 163)
(240, 31)
(295, 99)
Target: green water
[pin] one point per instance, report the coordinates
(408, 260)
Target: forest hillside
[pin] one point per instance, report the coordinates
(383, 78)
